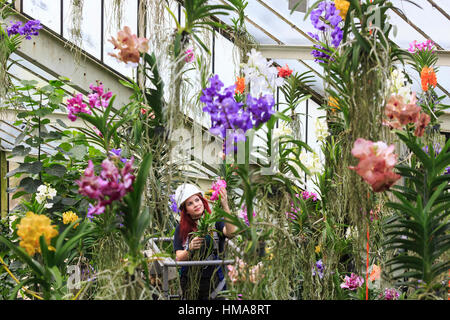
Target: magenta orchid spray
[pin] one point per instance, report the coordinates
(216, 186)
(112, 184)
(353, 282)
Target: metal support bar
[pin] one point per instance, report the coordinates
(443, 57)
(445, 14)
(304, 52)
(198, 263)
(170, 263)
(405, 18)
(286, 51)
(18, 5)
(166, 266)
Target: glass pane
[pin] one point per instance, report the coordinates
(428, 19)
(49, 13)
(277, 27)
(444, 4)
(226, 60)
(90, 26)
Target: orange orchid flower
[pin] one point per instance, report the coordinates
(240, 85)
(284, 72)
(333, 103)
(428, 77)
(376, 273)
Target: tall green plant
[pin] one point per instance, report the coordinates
(136, 219)
(420, 227)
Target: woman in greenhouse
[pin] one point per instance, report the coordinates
(202, 282)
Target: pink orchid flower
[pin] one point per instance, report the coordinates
(376, 164)
(353, 282)
(76, 105)
(216, 189)
(129, 46)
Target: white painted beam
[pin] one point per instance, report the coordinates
(286, 51)
(304, 52)
(443, 58)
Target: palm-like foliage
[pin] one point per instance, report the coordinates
(198, 15)
(370, 16)
(420, 227)
(146, 128)
(9, 44)
(295, 88)
(238, 24)
(422, 58)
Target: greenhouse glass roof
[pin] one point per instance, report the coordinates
(270, 22)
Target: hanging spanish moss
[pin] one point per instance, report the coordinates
(349, 200)
(273, 271)
(75, 43)
(366, 111)
(117, 8)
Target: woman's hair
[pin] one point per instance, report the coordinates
(188, 225)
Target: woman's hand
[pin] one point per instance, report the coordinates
(196, 243)
(224, 198)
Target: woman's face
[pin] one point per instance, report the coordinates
(194, 207)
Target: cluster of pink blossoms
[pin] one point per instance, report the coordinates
(376, 163)
(112, 184)
(308, 195)
(390, 294)
(427, 45)
(353, 282)
(401, 114)
(75, 106)
(216, 189)
(97, 98)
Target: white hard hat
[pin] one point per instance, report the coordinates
(185, 191)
